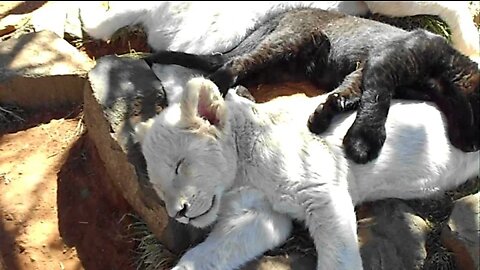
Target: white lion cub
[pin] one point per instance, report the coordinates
(250, 169)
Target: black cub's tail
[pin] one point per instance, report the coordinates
(205, 63)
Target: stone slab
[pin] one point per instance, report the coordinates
(461, 235)
(42, 70)
(392, 236)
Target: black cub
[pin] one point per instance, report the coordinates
(363, 62)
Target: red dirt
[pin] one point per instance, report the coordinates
(56, 211)
(29, 236)
(91, 215)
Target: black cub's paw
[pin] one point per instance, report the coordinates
(341, 103)
(466, 140)
(463, 127)
(319, 120)
(363, 144)
(224, 79)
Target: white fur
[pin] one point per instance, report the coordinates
(261, 168)
(208, 27)
(213, 27)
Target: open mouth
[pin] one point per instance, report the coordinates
(214, 201)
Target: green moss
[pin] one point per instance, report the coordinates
(431, 23)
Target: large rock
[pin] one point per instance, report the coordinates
(58, 17)
(392, 236)
(42, 70)
(461, 235)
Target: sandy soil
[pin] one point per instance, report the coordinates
(29, 237)
(55, 211)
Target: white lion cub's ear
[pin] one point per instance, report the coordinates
(202, 106)
(141, 130)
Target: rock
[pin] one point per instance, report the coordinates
(392, 237)
(42, 70)
(462, 232)
(292, 261)
(11, 23)
(73, 25)
(50, 17)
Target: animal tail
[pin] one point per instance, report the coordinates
(210, 63)
(205, 63)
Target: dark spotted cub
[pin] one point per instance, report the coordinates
(379, 62)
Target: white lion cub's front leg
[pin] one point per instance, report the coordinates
(330, 218)
(246, 228)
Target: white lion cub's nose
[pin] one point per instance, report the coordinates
(183, 210)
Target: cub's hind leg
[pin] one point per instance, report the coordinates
(414, 60)
(330, 219)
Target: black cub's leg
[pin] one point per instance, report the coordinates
(458, 97)
(343, 98)
(279, 46)
(412, 60)
(462, 112)
(383, 71)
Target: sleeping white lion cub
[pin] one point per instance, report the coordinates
(250, 169)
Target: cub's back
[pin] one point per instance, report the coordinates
(351, 38)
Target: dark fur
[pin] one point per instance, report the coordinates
(327, 47)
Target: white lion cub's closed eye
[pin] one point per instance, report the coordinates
(180, 162)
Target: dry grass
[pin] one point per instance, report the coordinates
(11, 116)
(150, 253)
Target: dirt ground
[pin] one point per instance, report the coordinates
(29, 237)
(55, 213)
(54, 210)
